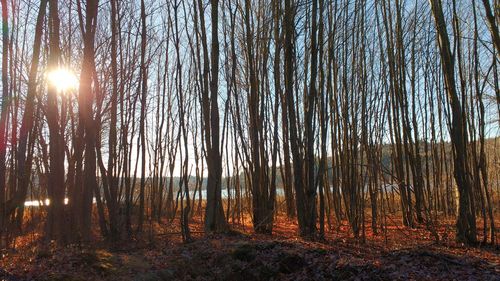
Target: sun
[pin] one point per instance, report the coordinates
(63, 79)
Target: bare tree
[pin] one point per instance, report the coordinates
(466, 221)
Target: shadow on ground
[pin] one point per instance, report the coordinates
(251, 258)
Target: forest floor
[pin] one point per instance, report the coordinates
(398, 254)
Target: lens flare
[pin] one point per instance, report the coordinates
(62, 79)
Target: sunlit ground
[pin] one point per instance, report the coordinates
(396, 253)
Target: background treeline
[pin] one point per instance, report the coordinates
(354, 109)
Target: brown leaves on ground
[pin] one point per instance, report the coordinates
(243, 256)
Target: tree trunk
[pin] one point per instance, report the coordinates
(466, 221)
(55, 218)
